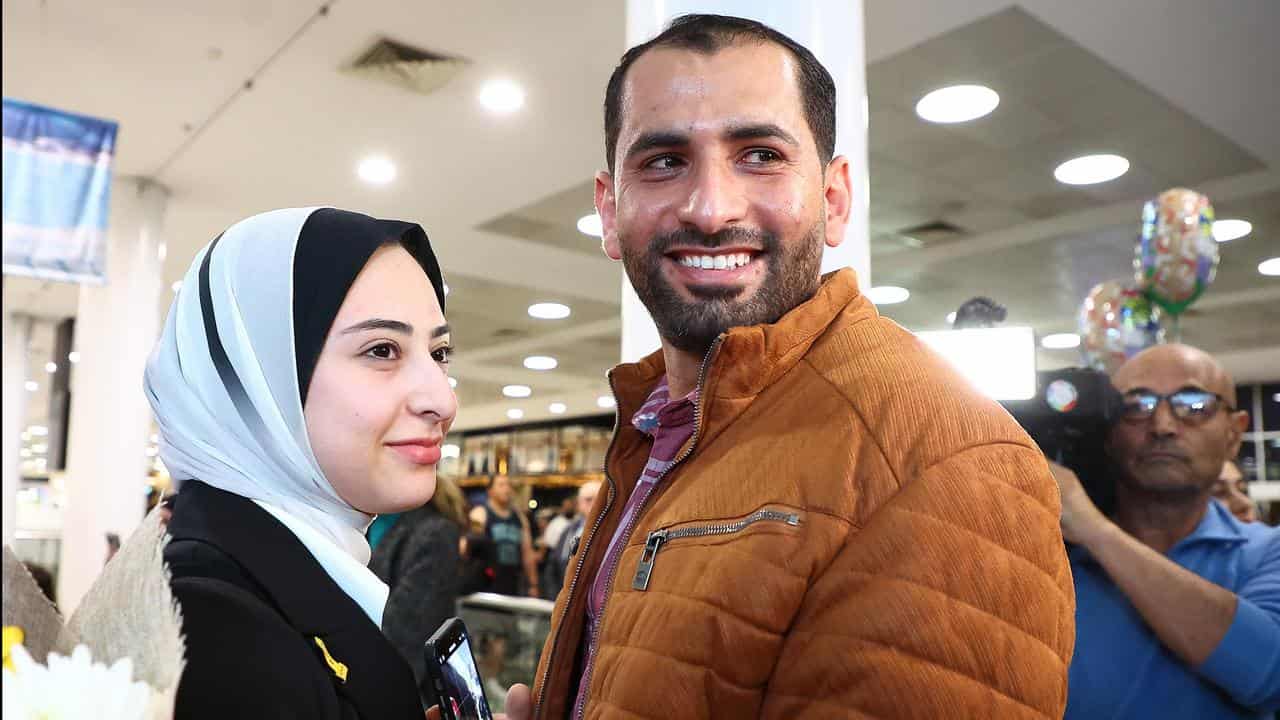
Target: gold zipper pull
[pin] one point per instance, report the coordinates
(339, 669)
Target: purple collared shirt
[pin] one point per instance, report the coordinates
(670, 424)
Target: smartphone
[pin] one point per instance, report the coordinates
(453, 671)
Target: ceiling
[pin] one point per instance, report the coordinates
(1184, 89)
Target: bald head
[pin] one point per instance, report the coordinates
(1165, 454)
(1190, 365)
(587, 496)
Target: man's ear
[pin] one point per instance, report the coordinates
(838, 198)
(607, 209)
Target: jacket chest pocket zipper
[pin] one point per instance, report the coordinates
(656, 539)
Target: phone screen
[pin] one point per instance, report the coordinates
(463, 692)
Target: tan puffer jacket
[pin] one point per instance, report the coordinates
(853, 533)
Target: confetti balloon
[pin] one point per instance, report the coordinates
(1176, 256)
(1116, 323)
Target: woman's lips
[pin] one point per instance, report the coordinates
(418, 453)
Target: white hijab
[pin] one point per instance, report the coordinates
(226, 396)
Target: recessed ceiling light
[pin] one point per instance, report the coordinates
(73, 357)
(549, 311)
(951, 318)
(1270, 267)
(515, 413)
(958, 103)
(376, 170)
(605, 401)
(32, 386)
(1231, 229)
(557, 408)
(517, 391)
(450, 451)
(446, 289)
(1091, 169)
(888, 295)
(51, 367)
(540, 362)
(176, 286)
(1060, 341)
(502, 96)
(590, 225)
(453, 382)
(38, 430)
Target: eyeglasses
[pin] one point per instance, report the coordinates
(1188, 404)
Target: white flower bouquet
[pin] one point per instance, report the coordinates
(119, 657)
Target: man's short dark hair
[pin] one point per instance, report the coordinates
(709, 34)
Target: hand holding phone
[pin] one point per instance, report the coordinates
(454, 674)
(519, 705)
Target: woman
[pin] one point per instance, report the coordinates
(418, 559)
(301, 388)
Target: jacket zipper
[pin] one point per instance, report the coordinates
(658, 538)
(582, 549)
(626, 534)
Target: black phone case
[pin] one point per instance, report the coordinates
(436, 649)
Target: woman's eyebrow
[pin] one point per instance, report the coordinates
(442, 330)
(380, 324)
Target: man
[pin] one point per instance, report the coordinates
(510, 541)
(806, 512)
(1232, 491)
(559, 557)
(561, 519)
(1179, 601)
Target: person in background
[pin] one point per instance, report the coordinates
(418, 559)
(1178, 600)
(558, 561)
(1232, 490)
(477, 556)
(556, 525)
(507, 530)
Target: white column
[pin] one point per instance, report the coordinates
(833, 31)
(116, 329)
(17, 337)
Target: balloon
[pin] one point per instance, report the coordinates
(1176, 257)
(1116, 323)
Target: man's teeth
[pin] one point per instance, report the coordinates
(715, 262)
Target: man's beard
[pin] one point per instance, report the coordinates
(792, 276)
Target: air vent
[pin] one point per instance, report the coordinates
(936, 232)
(414, 69)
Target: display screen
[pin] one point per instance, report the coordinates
(463, 692)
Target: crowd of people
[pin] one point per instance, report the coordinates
(806, 513)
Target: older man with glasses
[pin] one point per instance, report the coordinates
(1178, 602)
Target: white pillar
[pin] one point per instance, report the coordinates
(116, 329)
(833, 31)
(17, 337)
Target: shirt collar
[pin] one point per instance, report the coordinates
(1218, 526)
(658, 404)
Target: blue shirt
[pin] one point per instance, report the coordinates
(1122, 670)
